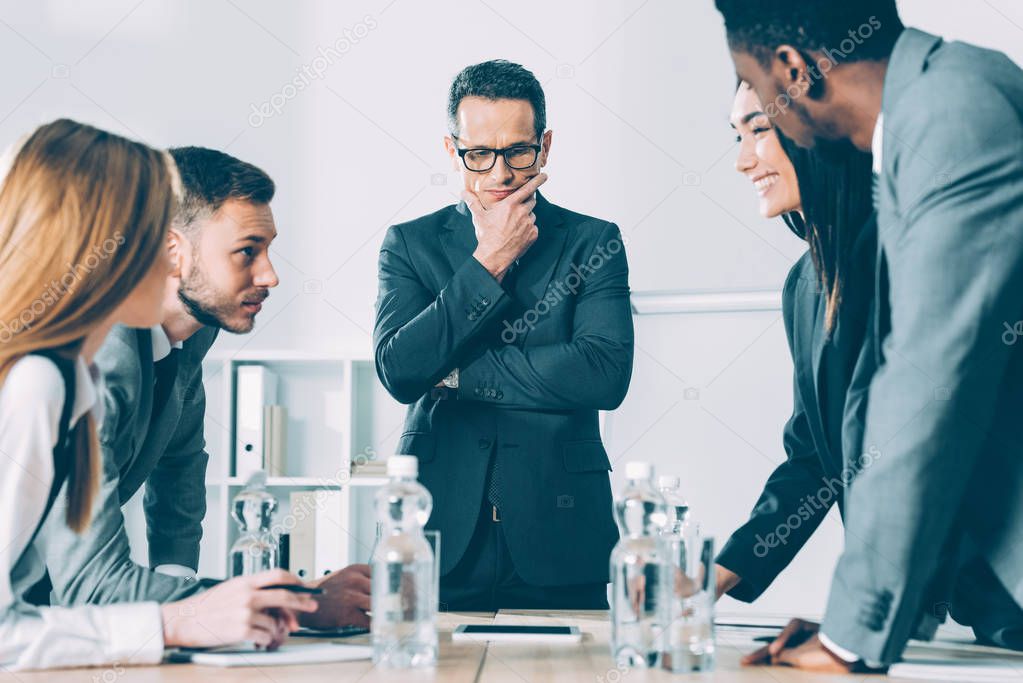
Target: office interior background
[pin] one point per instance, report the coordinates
(343, 104)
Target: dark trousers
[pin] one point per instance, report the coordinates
(484, 580)
(982, 602)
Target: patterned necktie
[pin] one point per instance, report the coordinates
(494, 485)
(166, 373)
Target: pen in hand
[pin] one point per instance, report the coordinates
(294, 588)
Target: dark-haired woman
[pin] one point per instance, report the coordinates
(826, 303)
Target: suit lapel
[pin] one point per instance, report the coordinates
(818, 349)
(132, 475)
(908, 60)
(458, 238)
(152, 432)
(539, 262)
(809, 338)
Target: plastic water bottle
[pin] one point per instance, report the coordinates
(404, 622)
(677, 508)
(637, 563)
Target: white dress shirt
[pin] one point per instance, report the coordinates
(162, 344)
(31, 402)
(877, 144)
(161, 349)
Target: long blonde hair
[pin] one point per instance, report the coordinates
(83, 217)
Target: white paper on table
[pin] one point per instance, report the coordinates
(973, 669)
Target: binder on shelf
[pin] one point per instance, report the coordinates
(317, 540)
(256, 388)
(275, 439)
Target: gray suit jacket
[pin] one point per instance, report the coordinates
(941, 449)
(166, 452)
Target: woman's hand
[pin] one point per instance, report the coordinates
(235, 611)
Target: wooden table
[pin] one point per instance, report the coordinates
(462, 662)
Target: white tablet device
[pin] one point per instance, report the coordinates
(313, 653)
(517, 633)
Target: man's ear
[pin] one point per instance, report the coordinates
(791, 71)
(545, 147)
(177, 246)
(449, 145)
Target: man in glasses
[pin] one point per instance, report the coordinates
(504, 322)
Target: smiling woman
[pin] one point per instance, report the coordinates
(827, 205)
(823, 201)
(761, 156)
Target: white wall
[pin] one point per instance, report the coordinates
(647, 83)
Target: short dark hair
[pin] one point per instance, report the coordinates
(760, 26)
(209, 178)
(498, 79)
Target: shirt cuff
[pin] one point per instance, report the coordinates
(134, 633)
(837, 650)
(177, 570)
(843, 654)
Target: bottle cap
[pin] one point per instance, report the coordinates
(403, 466)
(638, 470)
(667, 481)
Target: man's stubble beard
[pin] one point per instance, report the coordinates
(203, 304)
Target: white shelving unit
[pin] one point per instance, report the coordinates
(337, 413)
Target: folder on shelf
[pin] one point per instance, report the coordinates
(275, 439)
(317, 541)
(257, 387)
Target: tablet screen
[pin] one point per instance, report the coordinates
(531, 630)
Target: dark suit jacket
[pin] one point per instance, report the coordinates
(802, 489)
(537, 360)
(942, 383)
(167, 452)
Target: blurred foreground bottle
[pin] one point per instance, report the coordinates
(637, 560)
(404, 622)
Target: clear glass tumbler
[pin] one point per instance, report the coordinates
(689, 603)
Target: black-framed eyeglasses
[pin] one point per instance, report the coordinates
(482, 159)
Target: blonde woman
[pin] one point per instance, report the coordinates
(83, 223)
